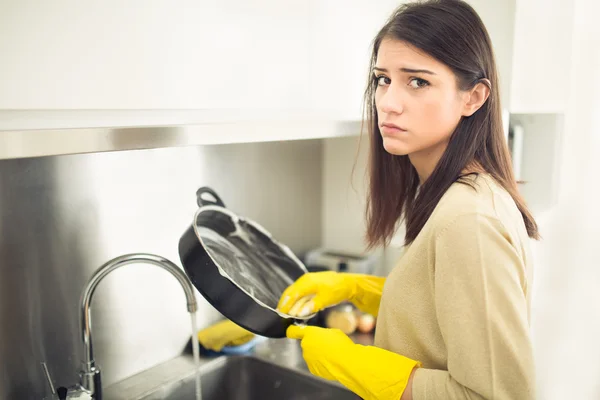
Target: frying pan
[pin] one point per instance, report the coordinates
(238, 267)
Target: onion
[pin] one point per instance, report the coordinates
(342, 320)
(365, 323)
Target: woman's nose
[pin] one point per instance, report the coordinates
(391, 102)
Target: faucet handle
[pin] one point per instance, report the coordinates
(62, 393)
(76, 392)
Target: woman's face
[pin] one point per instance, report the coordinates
(417, 99)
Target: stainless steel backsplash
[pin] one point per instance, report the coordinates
(62, 217)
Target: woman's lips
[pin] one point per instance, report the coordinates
(391, 129)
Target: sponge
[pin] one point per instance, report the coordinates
(223, 333)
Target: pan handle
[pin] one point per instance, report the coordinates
(204, 202)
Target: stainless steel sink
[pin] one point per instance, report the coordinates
(275, 369)
(250, 378)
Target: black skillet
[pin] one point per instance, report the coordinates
(238, 267)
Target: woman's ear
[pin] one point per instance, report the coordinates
(476, 97)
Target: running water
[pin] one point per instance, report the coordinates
(196, 351)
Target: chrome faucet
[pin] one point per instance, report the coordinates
(90, 386)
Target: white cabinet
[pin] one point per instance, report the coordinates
(499, 19)
(137, 54)
(311, 56)
(542, 56)
(234, 54)
(300, 58)
(72, 64)
(340, 42)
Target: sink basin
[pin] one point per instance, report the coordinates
(250, 378)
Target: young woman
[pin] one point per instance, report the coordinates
(453, 315)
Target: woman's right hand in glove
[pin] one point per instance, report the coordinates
(315, 291)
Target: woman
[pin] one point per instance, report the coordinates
(453, 315)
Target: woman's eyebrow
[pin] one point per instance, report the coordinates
(408, 70)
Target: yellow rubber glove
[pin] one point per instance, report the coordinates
(317, 290)
(370, 372)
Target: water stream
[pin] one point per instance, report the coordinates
(196, 352)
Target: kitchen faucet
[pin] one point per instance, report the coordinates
(90, 386)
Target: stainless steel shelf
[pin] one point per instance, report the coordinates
(35, 142)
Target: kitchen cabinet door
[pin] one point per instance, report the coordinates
(211, 54)
(542, 56)
(340, 35)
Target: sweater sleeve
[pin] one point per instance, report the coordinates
(482, 310)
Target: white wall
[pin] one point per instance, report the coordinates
(344, 193)
(566, 305)
(542, 145)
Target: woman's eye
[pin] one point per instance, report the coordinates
(417, 83)
(382, 80)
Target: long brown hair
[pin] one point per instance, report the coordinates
(451, 32)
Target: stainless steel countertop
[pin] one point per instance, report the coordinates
(283, 352)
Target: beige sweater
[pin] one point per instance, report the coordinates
(459, 299)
